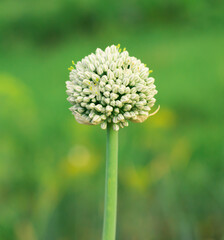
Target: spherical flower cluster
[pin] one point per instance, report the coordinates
(110, 87)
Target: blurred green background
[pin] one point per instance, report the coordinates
(171, 181)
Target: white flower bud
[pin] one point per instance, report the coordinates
(102, 84)
(119, 103)
(126, 81)
(139, 87)
(81, 75)
(69, 92)
(121, 89)
(95, 77)
(142, 95)
(103, 117)
(99, 70)
(87, 75)
(110, 87)
(150, 80)
(115, 88)
(91, 67)
(104, 79)
(133, 90)
(108, 50)
(127, 107)
(92, 96)
(144, 113)
(110, 74)
(111, 82)
(115, 119)
(91, 114)
(99, 107)
(127, 90)
(115, 127)
(127, 115)
(104, 125)
(125, 124)
(106, 94)
(86, 91)
(118, 82)
(119, 62)
(109, 57)
(97, 63)
(78, 88)
(86, 99)
(99, 51)
(107, 100)
(86, 82)
(112, 66)
(120, 117)
(134, 96)
(144, 73)
(100, 58)
(125, 99)
(114, 96)
(109, 108)
(105, 67)
(146, 108)
(112, 103)
(83, 104)
(96, 119)
(132, 114)
(116, 110)
(79, 99)
(81, 110)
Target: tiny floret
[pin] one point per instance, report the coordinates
(110, 87)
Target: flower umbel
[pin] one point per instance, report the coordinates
(110, 87)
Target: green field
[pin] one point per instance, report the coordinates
(170, 167)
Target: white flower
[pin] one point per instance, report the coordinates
(111, 87)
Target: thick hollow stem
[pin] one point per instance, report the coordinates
(110, 204)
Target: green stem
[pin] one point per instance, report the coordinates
(110, 205)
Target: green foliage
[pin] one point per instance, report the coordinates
(52, 21)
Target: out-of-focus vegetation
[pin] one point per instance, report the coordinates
(171, 183)
(45, 22)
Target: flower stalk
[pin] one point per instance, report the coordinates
(110, 204)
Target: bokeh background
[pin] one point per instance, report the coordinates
(171, 168)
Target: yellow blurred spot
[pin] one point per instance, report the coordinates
(24, 230)
(118, 45)
(119, 50)
(135, 178)
(17, 105)
(79, 161)
(140, 178)
(124, 49)
(150, 71)
(73, 62)
(158, 168)
(165, 118)
(180, 153)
